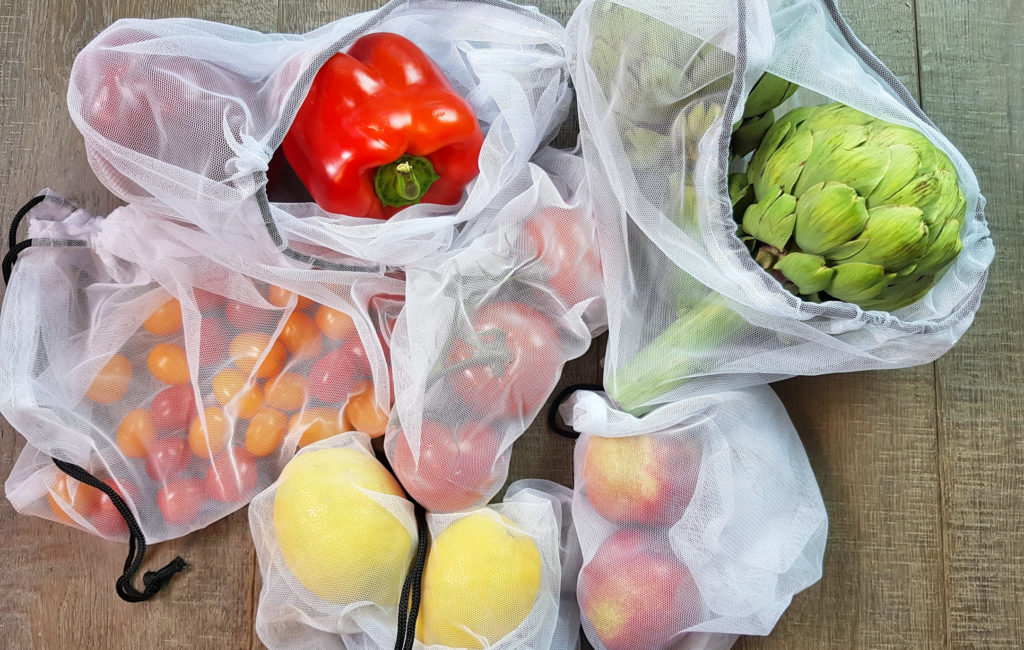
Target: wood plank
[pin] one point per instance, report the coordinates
(972, 61)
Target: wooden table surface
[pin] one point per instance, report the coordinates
(922, 470)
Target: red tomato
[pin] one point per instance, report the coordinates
(566, 245)
(232, 476)
(249, 318)
(106, 518)
(206, 300)
(180, 501)
(332, 378)
(167, 458)
(509, 363)
(213, 342)
(173, 408)
(454, 471)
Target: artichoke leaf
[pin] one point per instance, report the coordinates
(894, 236)
(856, 282)
(808, 272)
(771, 220)
(827, 216)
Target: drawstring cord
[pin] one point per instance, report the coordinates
(409, 602)
(14, 247)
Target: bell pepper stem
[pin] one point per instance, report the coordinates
(404, 181)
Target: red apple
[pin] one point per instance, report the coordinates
(640, 479)
(635, 594)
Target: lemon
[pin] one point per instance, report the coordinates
(481, 579)
(335, 538)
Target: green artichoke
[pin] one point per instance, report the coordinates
(769, 92)
(850, 207)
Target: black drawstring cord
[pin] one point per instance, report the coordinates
(14, 247)
(409, 602)
(153, 581)
(553, 422)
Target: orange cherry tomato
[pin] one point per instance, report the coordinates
(316, 424)
(364, 414)
(301, 336)
(239, 396)
(334, 324)
(210, 440)
(279, 297)
(286, 391)
(168, 363)
(136, 433)
(248, 347)
(111, 383)
(266, 431)
(68, 494)
(165, 320)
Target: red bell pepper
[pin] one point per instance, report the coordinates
(382, 129)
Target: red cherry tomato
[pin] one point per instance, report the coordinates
(106, 518)
(332, 378)
(509, 363)
(180, 501)
(213, 342)
(232, 475)
(167, 458)
(566, 245)
(173, 408)
(455, 470)
(206, 300)
(249, 318)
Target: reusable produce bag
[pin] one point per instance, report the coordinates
(485, 332)
(182, 117)
(335, 538)
(179, 373)
(698, 521)
(659, 87)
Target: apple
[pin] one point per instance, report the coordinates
(635, 594)
(640, 479)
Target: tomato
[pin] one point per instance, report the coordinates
(213, 438)
(509, 363)
(248, 347)
(107, 519)
(246, 317)
(239, 396)
(334, 324)
(280, 297)
(173, 408)
(566, 245)
(213, 342)
(111, 383)
(332, 377)
(181, 500)
(364, 414)
(232, 476)
(287, 391)
(165, 320)
(454, 471)
(206, 300)
(301, 336)
(316, 424)
(266, 431)
(136, 433)
(67, 493)
(167, 458)
(169, 364)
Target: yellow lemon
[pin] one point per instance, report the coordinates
(338, 541)
(481, 579)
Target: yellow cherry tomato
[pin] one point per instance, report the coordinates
(165, 320)
(364, 414)
(279, 297)
(168, 363)
(210, 440)
(84, 501)
(136, 433)
(286, 391)
(265, 432)
(233, 390)
(316, 424)
(248, 347)
(111, 383)
(334, 324)
(301, 336)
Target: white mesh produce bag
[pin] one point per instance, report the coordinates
(659, 86)
(698, 522)
(139, 349)
(182, 117)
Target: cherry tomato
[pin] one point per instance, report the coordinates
(332, 377)
(454, 471)
(206, 300)
(334, 324)
(168, 363)
(136, 433)
(247, 348)
(181, 500)
(316, 424)
(167, 458)
(111, 383)
(232, 476)
(68, 494)
(364, 414)
(280, 297)
(211, 439)
(301, 336)
(266, 432)
(246, 317)
(107, 519)
(287, 391)
(566, 245)
(213, 342)
(173, 408)
(509, 363)
(165, 320)
(239, 396)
